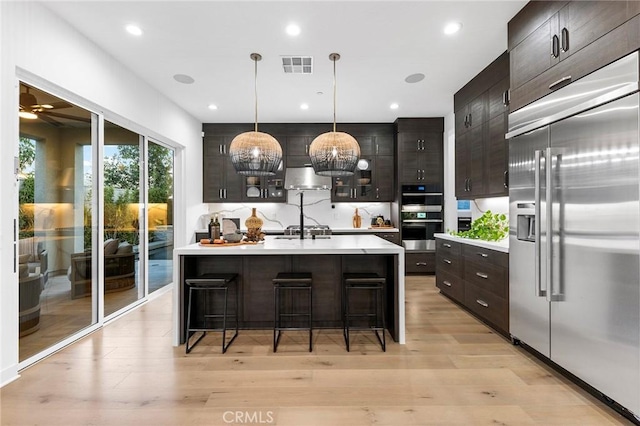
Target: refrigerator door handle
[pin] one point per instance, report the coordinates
(540, 292)
(554, 287)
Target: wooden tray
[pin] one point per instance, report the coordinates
(241, 243)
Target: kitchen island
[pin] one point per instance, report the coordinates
(326, 258)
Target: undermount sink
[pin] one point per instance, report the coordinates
(297, 237)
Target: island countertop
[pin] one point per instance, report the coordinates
(336, 244)
(327, 258)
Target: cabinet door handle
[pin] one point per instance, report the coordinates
(555, 46)
(485, 255)
(563, 80)
(505, 98)
(482, 275)
(565, 39)
(418, 172)
(466, 120)
(220, 193)
(482, 303)
(446, 245)
(377, 193)
(447, 283)
(421, 263)
(377, 149)
(423, 144)
(470, 119)
(447, 261)
(505, 180)
(306, 148)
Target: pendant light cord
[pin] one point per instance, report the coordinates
(334, 94)
(255, 90)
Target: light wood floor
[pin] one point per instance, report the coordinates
(453, 370)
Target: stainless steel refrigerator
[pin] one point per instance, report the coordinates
(574, 238)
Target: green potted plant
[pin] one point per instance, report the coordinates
(488, 227)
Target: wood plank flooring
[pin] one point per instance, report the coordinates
(452, 371)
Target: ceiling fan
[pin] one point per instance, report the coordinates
(31, 109)
(29, 106)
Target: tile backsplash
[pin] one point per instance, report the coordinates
(318, 210)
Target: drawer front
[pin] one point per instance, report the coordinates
(450, 248)
(451, 285)
(487, 306)
(485, 256)
(394, 237)
(487, 277)
(449, 264)
(419, 263)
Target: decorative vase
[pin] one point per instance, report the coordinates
(254, 225)
(253, 221)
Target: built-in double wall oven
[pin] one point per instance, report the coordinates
(421, 216)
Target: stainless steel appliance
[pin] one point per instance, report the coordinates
(574, 239)
(421, 216)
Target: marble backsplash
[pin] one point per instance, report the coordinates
(318, 210)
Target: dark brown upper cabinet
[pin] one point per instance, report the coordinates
(420, 150)
(545, 35)
(481, 113)
(221, 183)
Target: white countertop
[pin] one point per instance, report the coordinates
(502, 246)
(364, 230)
(272, 245)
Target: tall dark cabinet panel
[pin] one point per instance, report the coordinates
(552, 43)
(481, 112)
(420, 162)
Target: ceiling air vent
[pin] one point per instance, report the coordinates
(297, 64)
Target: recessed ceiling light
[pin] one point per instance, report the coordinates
(452, 28)
(319, 93)
(134, 30)
(293, 30)
(213, 106)
(183, 78)
(414, 78)
(394, 106)
(304, 106)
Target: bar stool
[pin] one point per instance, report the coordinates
(210, 284)
(291, 282)
(364, 282)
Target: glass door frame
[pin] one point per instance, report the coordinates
(99, 115)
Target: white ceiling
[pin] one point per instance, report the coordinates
(380, 42)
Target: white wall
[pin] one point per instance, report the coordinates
(58, 59)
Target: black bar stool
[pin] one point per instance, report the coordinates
(206, 284)
(291, 282)
(364, 282)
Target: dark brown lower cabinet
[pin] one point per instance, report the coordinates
(420, 262)
(477, 278)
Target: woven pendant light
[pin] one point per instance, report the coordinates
(255, 153)
(334, 153)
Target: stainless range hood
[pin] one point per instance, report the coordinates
(302, 178)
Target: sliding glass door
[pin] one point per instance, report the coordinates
(122, 199)
(57, 268)
(95, 212)
(160, 215)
